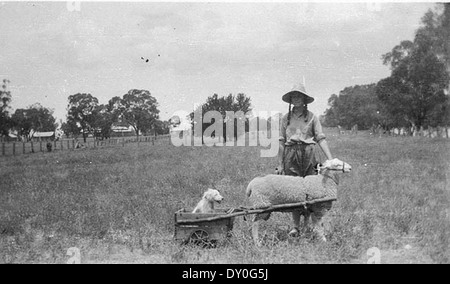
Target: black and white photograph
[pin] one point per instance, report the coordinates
(224, 132)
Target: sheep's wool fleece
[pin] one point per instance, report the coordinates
(279, 189)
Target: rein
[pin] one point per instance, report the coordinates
(332, 177)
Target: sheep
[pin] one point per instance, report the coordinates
(206, 204)
(269, 190)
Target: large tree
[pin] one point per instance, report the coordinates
(81, 114)
(416, 88)
(35, 118)
(354, 105)
(137, 108)
(224, 105)
(70, 128)
(435, 33)
(5, 100)
(102, 121)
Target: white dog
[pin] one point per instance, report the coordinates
(206, 204)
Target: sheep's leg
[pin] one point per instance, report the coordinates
(296, 218)
(255, 233)
(255, 229)
(317, 223)
(255, 226)
(307, 216)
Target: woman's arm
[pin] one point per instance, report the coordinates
(319, 136)
(326, 150)
(281, 141)
(280, 168)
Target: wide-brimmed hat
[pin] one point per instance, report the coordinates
(297, 90)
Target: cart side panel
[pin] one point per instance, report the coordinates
(216, 230)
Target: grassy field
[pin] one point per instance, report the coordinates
(117, 204)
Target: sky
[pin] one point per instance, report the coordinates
(49, 50)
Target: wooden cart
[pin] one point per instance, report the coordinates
(205, 229)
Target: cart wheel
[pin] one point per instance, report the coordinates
(200, 238)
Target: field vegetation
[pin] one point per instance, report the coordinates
(117, 204)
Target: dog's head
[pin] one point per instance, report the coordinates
(213, 195)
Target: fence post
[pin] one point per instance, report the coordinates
(40, 146)
(23, 147)
(68, 144)
(32, 148)
(3, 149)
(62, 147)
(14, 148)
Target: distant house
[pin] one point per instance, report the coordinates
(43, 136)
(120, 129)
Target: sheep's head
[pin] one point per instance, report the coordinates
(336, 165)
(213, 195)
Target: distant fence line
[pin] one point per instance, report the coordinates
(20, 148)
(431, 132)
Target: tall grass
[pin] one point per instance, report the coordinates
(118, 204)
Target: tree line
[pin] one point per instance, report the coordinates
(415, 95)
(85, 115)
(137, 108)
(226, 106)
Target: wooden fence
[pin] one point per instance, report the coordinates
(21, 148)
(431, 132)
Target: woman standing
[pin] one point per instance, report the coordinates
(300, 132)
